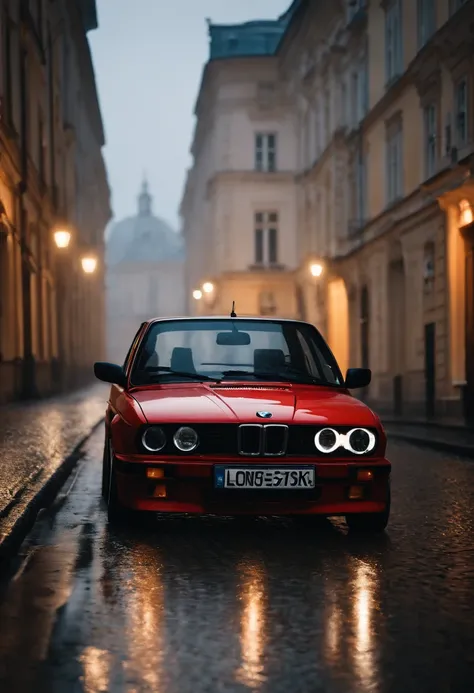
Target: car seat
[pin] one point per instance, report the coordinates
(182, 360)
(268, 360)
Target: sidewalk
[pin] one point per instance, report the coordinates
(446, 435)
(39, 442)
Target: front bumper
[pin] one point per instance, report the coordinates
(190, 488)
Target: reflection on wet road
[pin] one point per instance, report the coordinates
(194, 605)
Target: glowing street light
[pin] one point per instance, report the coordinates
(208, 288)
(89, 264)
(316, 269)
(197, 294)
(62, 238)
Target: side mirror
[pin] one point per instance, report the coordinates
(357, 378)
(110, 373)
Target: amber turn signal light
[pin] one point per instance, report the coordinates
(155, 473)
(356, 492)
(365, 475)
(160, 491)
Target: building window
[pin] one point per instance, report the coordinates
(355, 99)
(364, 87)
(266, 238)
(461, 114)
(361, 188)
(456, 5)
(394, 161)
(7, 69)
(265, 152)
(41, 149)
(431, 138)
(267, 303)
(354, 7)
(426, 21)
(393, 40)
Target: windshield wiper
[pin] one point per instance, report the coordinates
(288, 375)
(198, 377)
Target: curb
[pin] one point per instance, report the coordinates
(45, 496)
(440, 445)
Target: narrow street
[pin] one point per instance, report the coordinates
(196, 605)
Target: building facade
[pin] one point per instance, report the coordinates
(388, 89)
(54, 199)
(239, 205)
(145, 263)
(382, 106)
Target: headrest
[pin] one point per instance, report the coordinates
(182, 360)
(268, 360)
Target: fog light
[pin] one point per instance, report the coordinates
(365, 475)
(160, 491)
(356, 492)
(154, 473)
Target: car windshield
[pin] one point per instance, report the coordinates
(226, 349)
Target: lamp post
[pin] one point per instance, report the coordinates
(62, 239)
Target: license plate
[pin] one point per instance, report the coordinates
(264, 477)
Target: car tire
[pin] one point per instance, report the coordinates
(373, 523)
(117, 514)
(105, 471)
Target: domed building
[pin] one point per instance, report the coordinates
(145, 275)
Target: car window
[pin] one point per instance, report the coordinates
(133, 346)
(174, 350)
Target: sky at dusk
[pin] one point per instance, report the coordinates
(148, 56)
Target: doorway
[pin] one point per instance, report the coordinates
(364, 334)
(430, 369)
(397, 331)
(468, 234)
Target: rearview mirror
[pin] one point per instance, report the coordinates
(234, 338)
(357, 378)
(110, 373)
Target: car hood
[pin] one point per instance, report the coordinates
(298, 404)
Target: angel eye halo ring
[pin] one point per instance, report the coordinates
(186, 439)
(359, 441)
(327, 440)
(154, 439)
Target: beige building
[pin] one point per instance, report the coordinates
(394, 168)
(54, 199)
(239, 205)
(383, 102)
(145, 275)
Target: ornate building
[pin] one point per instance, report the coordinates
(145, 275)
(239, 205)
(54, 198)
(389, 89)
(375, 119)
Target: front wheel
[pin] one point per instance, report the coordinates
(373, 523)
(105, 471)
(116, 513)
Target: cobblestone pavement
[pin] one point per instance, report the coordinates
(193, 605)
(35, 438)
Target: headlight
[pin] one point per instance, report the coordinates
(186, 439)
(359, 441)
(154, 439)
(327, 440)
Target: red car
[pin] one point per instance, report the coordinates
(241, 415)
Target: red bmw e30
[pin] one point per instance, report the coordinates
(241, 415)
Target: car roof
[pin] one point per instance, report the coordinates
(245, 318)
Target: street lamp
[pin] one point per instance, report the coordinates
(197, 294)
(62, 238)
(89, 264)
(316, 269)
